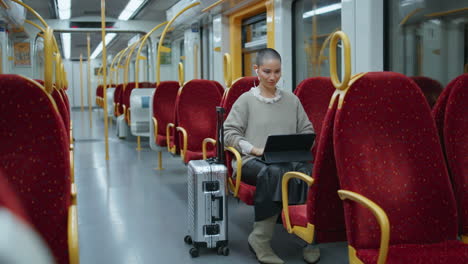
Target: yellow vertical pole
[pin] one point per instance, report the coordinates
(104, 74)
(81, 82)
(89, 83)
(138, 143)
(195, 61)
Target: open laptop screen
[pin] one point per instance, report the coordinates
(288, 148)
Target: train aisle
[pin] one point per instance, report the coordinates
(130, 213)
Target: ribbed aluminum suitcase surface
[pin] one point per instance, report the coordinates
(207, 221)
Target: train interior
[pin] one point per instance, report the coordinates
(103, 104)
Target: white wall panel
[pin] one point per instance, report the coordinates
(362, 21)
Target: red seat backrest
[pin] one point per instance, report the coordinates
(315, 94)
(164, 101)
(438, 111)
(34, 155)
(431, 88)
(126, 94)
(388, 150)
(118, 97)
(456, 144)
(324, 207)
(219, 86)
(239, 87)
(196, 111)
(100, 91)
(62, 107)
(66, 100)
(41, 82)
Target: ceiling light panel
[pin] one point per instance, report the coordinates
(322, 10)
(109, 37)
(130, 9)
(66, 45)
(64, 9)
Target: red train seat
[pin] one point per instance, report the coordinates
(172, 141)
(438, 111)
(315, 94)
(220, 87)
(321, 219)
(34, 155)
(391, 167)
(164, 100)
(456, 146)
(118, 108)
(431, 88)
(99, 95)
(196, 116)
(62, 108)
(241, 190)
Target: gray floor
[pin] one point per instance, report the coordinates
(130, 213)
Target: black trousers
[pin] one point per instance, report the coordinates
(267, 178)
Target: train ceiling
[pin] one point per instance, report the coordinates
(153, 10)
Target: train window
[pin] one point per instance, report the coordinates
(427, 38)
(313, 22)
(254, 38)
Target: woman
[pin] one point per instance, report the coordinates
(266, 110)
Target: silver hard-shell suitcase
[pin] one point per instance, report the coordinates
(207, 211)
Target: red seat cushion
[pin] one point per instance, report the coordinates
(388, 150)
(34, 155)
(456, 145)
(449, 252)
(297, 215)
(197, 99)
(164, 101)
(246, 193)
(430, 87)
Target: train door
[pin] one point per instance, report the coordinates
(254, 38)
(251, 29)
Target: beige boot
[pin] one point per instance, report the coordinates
(259, 241)
(311, 254)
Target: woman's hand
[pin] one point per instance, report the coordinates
(256, 151)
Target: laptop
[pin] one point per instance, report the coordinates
(288, 148)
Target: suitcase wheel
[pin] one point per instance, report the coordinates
(194, 252)
(188, 240)
(223, 251)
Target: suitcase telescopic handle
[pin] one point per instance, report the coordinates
(220, 209)
(220, 135)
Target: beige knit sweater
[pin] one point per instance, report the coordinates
(253, 120)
